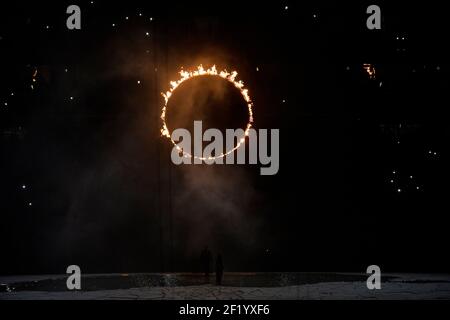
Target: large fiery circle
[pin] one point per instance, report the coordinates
(229, 76)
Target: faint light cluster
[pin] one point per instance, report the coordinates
(400, 183)
(433, 154)
(128, 17)
(401, 41)
(140, 15)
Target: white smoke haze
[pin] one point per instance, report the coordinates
(123, 216)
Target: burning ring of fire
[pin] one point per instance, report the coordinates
(229, 76)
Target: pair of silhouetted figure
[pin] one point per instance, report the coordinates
(206, 259)
(219, 269)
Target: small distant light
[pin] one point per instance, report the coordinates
(438, 68)
(286, 7)
(151, 18)
(113, 24)
(411, 177)
(392, 181)
(140, 14)
(47, 27)
(6, 104)
(314, 16)
(139, 81)
(147, 34)
(24, 186)
(417, 188)
(435, 153)
(284, 101)
(347, 68)
(12, 93)
(71, 98)
(257, 69)
(399, 190)
(156, 69)
(394, 172)
(92, 2)
(30, 204)
(66, 70)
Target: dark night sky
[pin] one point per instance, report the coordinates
(86, 179)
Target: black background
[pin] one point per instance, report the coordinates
(105, 195)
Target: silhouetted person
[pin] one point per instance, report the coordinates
(219, 269)
(206, 258)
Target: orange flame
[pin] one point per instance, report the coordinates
(370, 69)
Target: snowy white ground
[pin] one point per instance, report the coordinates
(404, 286)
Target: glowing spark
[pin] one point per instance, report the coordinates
(224, 74)
(34, 78)
(370, 69)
